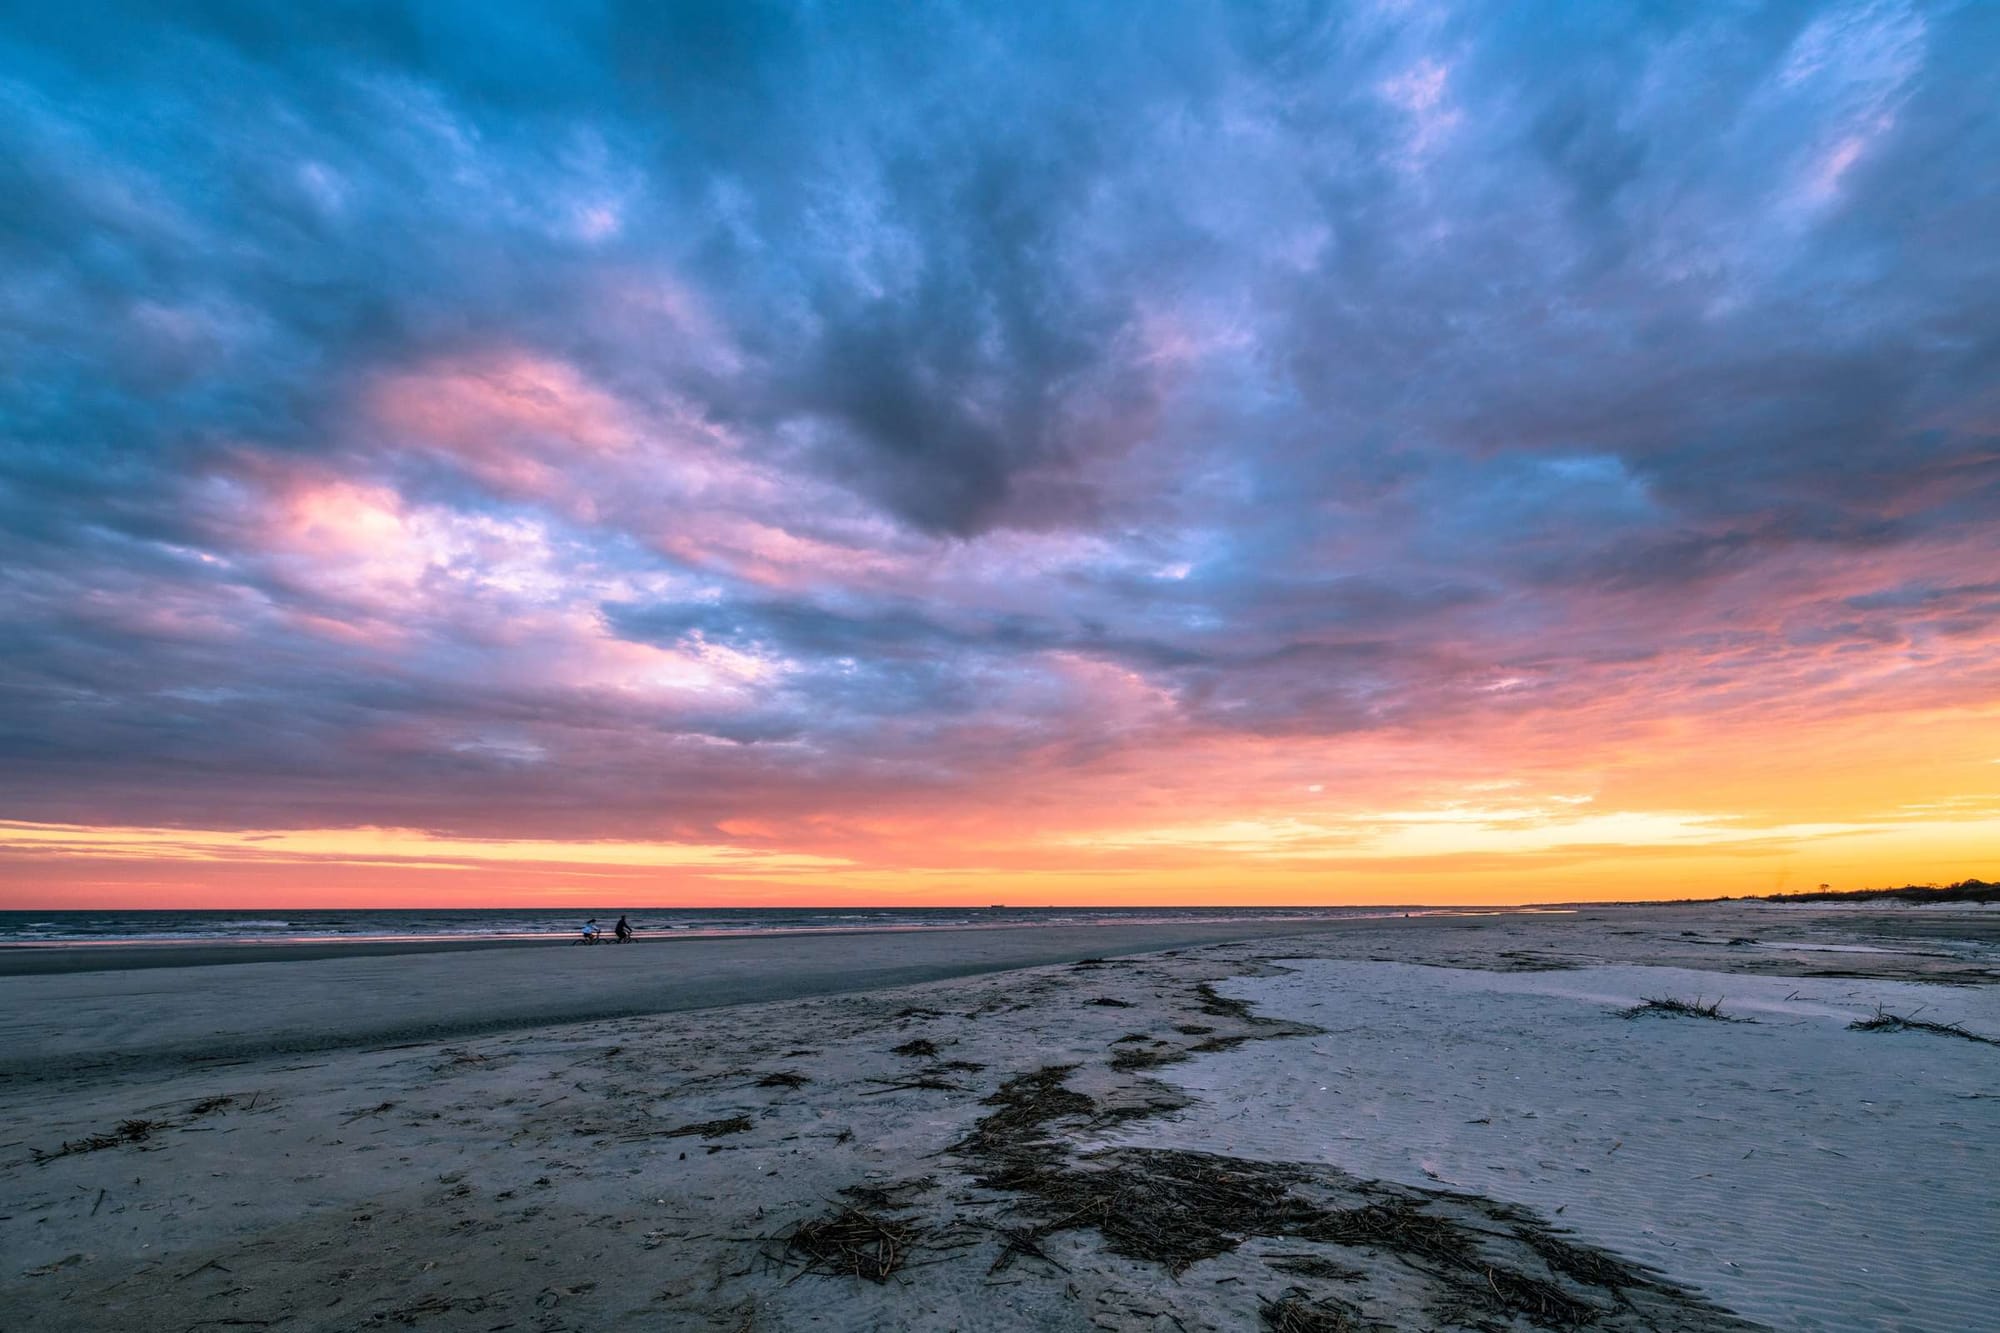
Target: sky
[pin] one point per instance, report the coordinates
(745, 453)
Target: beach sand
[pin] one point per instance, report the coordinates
(1426, 1123)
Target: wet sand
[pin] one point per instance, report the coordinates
(37, 960)
(312, 997)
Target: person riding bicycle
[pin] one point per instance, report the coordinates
(622, 931)
(591, 930)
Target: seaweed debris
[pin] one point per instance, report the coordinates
(709, 1129)
(1295, 1312)
(1670, 1006)
(1592, 1268)
(922, 1083)
(1888, 1022)
(1223, 1043)
(132, 1131)
(783, 1078)
(1011, 1142)
(852, 1243)
(889, 1197)
(1312, 1265)
(1020, 1243)
(1221, 1006)
(1132, 1058)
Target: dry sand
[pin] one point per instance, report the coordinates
(1386, 1123)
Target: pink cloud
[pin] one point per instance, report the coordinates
(511, 418)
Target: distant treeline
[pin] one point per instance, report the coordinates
(1965, 891)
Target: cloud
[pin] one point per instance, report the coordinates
(634, 422)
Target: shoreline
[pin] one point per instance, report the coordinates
(56, 957)
(92, 1021)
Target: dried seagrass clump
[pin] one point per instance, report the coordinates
(852, 1243)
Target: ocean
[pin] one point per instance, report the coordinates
(32, 929)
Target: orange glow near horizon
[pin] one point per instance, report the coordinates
(1637, 794)
(103, 869)
(1391, 821)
